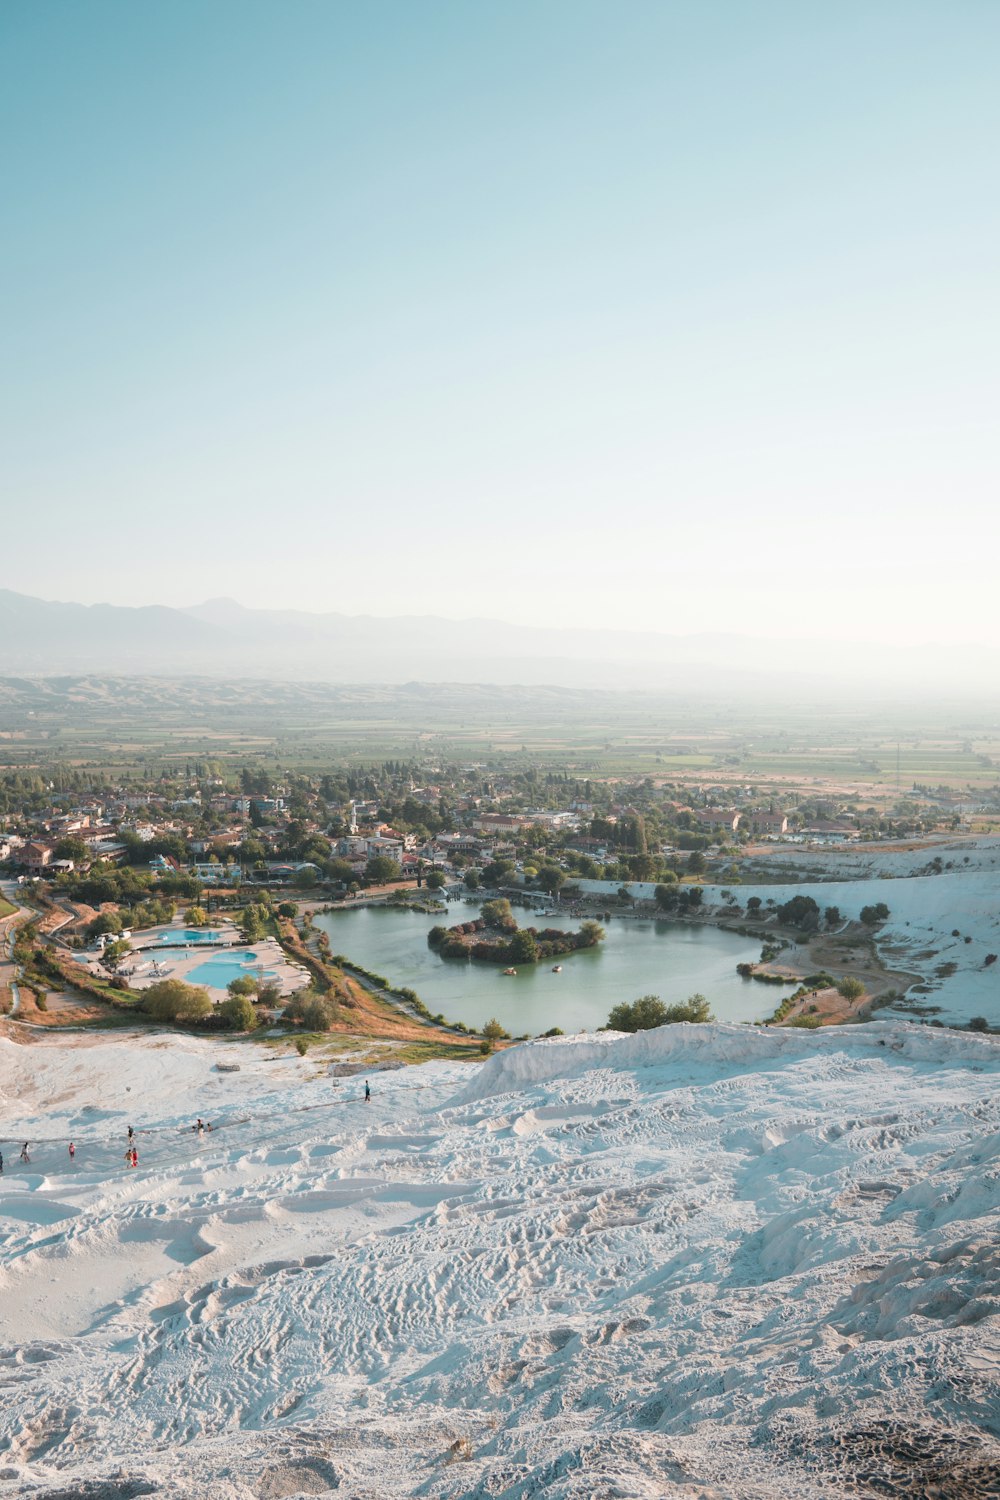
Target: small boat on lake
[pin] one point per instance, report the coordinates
(557, 968)
(509, 971)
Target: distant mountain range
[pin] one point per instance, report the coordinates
(222, 638)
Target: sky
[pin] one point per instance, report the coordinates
(670, 316)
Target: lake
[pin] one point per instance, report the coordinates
(669, 959)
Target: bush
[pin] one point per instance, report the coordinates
(485, 1047)
(301, 1046)
(320, 1014)
(493, 1031)
(238, 1013)
(243, 985)
(649, 1011)
(173, 1000)
(820, 981)
(871, 916)
(850, 988)
(979, 1023)
(805, 1023)
(288, 909)
(554, 1031)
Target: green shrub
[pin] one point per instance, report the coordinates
(238, 1013)
(173, 1000)
(649, 1011)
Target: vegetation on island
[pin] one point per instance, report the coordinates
(495, 937)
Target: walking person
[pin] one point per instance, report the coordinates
(135, 1157)
(131, 1135)
(72, 1151)
(24, 1152)
(1, 1163)
(368, 1093)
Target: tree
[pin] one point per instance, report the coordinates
(108, 921)
(494, 1032)
(643, 1014)
(316, 1012)
(591, 933)
(649, 1012)
(753, 906)
(551, 878)
(252, 921)
(695, 1009)
(238, 1013)
(667, 897)
(288, 909)
(173, 1000)
(380, 868)
(871, 916)
(436, 879)
(498, 914)
(197, 916)
(523, 947)
(114, 953)
(831, 916)
(472, 880)
(243, 984)
(269, 993)
(801, 912)
(305, 878)
(850, 988)
(696, 864)
(71, 848)
(979, 1023)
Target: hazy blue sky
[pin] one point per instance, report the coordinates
(676, 316)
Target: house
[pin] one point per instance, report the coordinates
(501, 823)
(717, 817)
(769, 824)
(36, 856)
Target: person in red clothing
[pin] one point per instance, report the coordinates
(72, 1151)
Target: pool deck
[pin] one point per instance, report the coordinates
(153, 959)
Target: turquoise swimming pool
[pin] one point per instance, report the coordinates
(221, 968)
(184, 935)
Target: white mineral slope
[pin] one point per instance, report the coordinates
(925, 914)
(704, 1261)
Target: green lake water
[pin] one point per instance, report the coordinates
(669, 959)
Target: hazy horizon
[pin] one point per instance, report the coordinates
(661, 318)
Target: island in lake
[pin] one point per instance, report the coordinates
(494, 937)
